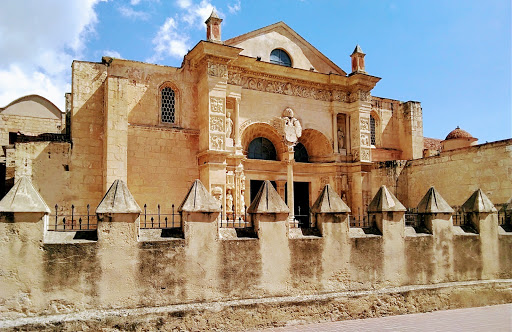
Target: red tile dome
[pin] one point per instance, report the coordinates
(458, 133)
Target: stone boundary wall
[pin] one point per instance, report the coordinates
(456, 174)
(237, 315)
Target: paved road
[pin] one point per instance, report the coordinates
(484, 319)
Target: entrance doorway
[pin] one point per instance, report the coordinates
(301, 203)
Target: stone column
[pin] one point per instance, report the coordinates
(331, 215)
(290, 160)
(269, 213)
(280, 184)
(335, 131)
(484, 217)
(356, 192)
(200, 213)
(389, 216)
(117, 245)
(437, 215)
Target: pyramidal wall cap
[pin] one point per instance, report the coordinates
(268, 201)
(432, 202)
(478, 202)
(23, 197)
(385, 201)
(508, 205)
(329, 202)
(118, 199)
(199, 199)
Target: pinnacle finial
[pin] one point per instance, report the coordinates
(357, 49)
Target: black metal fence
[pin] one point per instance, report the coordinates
(62, 222)
(360, 221)
(231, 219)
(302, 219)
(160, 220)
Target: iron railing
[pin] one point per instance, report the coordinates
(302, 219)
(72, 222)
(360, 221)
(160, 220)
(233, 219)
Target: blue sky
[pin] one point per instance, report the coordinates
(452, 56)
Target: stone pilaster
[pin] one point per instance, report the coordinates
(437, 215)
(484, 217)
(331, 215)
(200, 213)
(117, 243)
(389, 216)
(269, 214)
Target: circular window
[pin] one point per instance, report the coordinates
(280, 57)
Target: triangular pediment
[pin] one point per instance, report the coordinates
(259, 43)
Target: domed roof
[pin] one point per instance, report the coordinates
(458, 133)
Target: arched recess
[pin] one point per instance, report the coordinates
(265, 130)
(318, 146)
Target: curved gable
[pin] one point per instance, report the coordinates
(33, 106)
(260, 43)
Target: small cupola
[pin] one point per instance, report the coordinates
(458, 139)
(213, 32)
(358, 60)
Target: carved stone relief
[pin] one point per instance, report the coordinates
(217, 70)
(365, 139)
(217, 123)
(217, 105)
(217, 141)
(355, 154)
(365, 155)
(290, 127)
(217, 192)
(365, 124)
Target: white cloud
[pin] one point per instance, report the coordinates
(38, 40)
(113, 54)
(169, 41)
(134, 2)
(235, 8)
(133, 14)
(184, 3)
(198, 13)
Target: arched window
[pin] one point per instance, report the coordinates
(168, 105)
(262, 148)
(280, 57)
(372, 130)
(301, 154)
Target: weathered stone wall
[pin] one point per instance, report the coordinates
(122, 270)
(27, 125)
(458, 173)
(162, 164)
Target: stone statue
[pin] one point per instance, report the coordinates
(341, 139)
(229, 201)
(217, 193)
(229, 125)
(242, 203)
(291, 127)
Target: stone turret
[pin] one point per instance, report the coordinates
(213, 31)
(358, 60)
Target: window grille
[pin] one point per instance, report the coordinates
(372, 130)
(168, 107)
(262, 148)
(280, 57)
